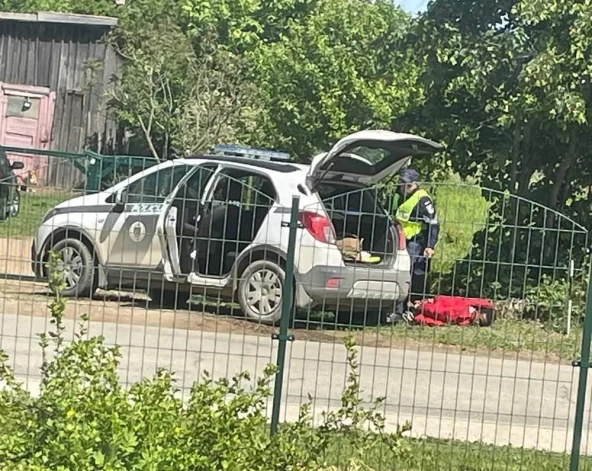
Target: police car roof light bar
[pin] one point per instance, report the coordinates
(251, 153)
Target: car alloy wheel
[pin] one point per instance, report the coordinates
(260, 291)
(264, 292)
(71, 265)
(77, 264)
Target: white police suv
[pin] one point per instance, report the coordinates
(219, 224)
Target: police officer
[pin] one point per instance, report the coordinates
(417, 215)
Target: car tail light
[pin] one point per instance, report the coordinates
(319, 226)
(402, 240)
(333, 283)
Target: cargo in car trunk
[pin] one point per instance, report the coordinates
(357, 214)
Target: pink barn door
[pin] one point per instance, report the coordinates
(26, 117)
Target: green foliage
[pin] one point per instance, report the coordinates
(462, 213)
(508, 89)
(299, 74)
(337, 70)
(83, 418)
(548, 302)
(173, 97)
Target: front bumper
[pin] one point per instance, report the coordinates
(37, 262)
(355, 286)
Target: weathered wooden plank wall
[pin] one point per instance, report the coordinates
(72, 60)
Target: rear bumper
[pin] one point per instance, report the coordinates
(356, 286)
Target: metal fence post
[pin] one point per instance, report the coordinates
(584, 365)
(287, 295)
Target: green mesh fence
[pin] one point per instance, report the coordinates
(185, 268)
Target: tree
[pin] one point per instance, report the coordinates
(175, 98)
(507, 91)
(557, 82)
(155, 75)
(324, 68)
(507, 87)
(319, 69)
(338, 70)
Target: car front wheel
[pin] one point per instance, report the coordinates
(77, 265)
(4, 208)
(260, 292)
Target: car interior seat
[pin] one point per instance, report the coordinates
(218, 229)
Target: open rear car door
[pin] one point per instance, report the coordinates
(368, 157)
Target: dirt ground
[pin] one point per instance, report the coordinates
(15, 256)
(31, 299)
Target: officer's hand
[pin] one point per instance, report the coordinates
(429, 253)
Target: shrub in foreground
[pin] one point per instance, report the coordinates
(83, 419)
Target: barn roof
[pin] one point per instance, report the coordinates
(64, 18)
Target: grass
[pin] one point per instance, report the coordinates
(436, 455)
(33, 208)
(528, 338)
(506, 337)
(509, 336)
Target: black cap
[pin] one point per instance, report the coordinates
(409, 175)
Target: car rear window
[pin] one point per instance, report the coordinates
(348, 199)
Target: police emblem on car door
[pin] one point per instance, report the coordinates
(137, 231)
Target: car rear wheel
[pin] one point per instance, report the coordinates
(77, 265)
(260, 291)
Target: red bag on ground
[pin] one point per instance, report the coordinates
(442, 310)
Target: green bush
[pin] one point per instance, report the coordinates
(462, 212)
(548, 302)
(83, 419)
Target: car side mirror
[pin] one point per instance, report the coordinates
(121, 197)
(18, 165)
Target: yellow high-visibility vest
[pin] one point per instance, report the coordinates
(410, 228)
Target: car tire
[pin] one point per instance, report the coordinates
(260, 292)
(78, 265)
(4, 209)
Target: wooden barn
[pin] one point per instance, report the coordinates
(54, 73)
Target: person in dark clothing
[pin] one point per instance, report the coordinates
(417, 215)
